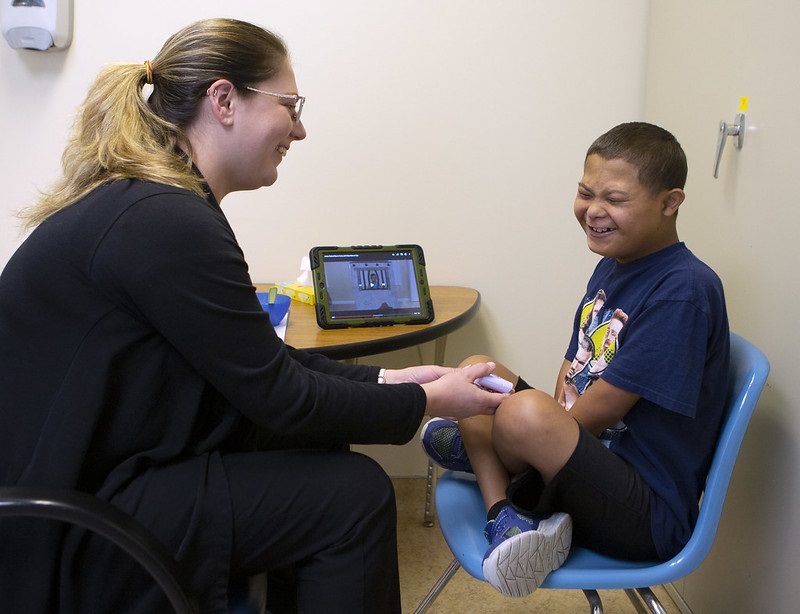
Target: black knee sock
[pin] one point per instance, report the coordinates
(495, 509)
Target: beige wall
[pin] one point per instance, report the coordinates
(457, 124)
(703, 56)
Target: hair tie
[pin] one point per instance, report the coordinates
(148, 67)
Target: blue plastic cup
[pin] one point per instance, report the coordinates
(278, 310)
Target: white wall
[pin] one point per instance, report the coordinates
(457, 124)
(702, 57)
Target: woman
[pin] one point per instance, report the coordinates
(138, 365)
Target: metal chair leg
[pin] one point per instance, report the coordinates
(641, 597)
(437, 588)
(633, 597)
(428, 519)
(438, 359)
(595, 603)
(651, 600)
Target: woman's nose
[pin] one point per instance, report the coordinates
(299, 131)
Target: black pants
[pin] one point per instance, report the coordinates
(322, 524)
(608, 500)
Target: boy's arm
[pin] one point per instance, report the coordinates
(601, 406)
(562, 373)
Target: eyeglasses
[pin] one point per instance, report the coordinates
(297, 101)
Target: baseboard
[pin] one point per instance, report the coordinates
(677, 598)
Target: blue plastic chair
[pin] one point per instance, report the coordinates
(462, 515)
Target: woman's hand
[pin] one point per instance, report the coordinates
(454, 394)
(416, 375)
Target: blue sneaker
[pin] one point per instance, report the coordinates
(442, 442)
(524, 550)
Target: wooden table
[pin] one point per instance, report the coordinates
(453, 307)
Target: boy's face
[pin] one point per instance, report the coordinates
(621, 218)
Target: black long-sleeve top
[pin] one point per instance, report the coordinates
(133, 354)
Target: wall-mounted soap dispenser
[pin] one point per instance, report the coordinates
(37, 24)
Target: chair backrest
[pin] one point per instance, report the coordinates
(103, 518)
(748, 374)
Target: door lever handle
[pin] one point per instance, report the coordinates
(737, 130)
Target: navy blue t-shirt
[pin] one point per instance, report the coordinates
(658, 327)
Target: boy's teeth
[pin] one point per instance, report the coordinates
(282, 151)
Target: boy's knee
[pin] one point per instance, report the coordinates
(500, 369)
(474, 359)
(525, 414)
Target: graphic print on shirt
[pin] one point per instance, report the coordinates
(598, 342)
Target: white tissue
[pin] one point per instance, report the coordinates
(305, 278)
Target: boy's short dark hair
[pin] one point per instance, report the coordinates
(653, 150)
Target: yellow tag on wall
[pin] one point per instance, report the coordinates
(743, 104)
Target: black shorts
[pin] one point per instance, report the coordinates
(607, 498)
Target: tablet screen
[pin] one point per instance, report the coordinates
(370, 286)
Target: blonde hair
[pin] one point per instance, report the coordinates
(118, 134)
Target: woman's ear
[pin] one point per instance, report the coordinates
(221, 95)
(673, 200)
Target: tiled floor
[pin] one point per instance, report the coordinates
(424, 556)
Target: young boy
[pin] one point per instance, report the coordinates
(617, 458)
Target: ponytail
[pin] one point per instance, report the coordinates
(121, 134)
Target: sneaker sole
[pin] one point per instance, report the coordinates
(519, 565)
